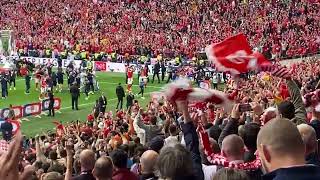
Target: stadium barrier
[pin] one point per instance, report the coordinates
(56, 105)
(31, 109)
(102, 66)
(18, 111)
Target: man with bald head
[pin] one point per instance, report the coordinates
(147, 165)
(103, 169)
(281, 150)
(87, 161)
(309, 138)
(233, 148)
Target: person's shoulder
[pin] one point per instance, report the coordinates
(306, 172)
(124, 174)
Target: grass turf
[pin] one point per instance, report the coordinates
(107, 81)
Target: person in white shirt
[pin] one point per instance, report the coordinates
(173, 139)
(215, 81)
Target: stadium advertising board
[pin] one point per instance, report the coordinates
(56, 105)
(98, 65)
(18, 112)
(54, 61)
(31, 109)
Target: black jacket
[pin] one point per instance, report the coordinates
(102, 101)
(313, 159)
(74, 90)
(51, 97)
(316, 126)
(307, 172)
(130, 99)
(163, 68)
(192, 143)
(120, 92)
(156, 68)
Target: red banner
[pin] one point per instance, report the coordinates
(100, 66)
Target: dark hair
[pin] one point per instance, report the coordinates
(286, 109)
(153, 120)
(124, 147)
(214, 132)
(137, 140)
(53, 155)
(119, 158)
(230, 174)
(249, 135)
(173, 129)
(63, 153)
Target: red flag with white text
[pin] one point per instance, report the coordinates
(235, 55)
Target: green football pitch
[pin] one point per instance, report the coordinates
(107, 82)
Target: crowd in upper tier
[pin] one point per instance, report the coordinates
(286, 28)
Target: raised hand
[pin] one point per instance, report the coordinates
(9, 161)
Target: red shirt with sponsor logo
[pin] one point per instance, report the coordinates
(44, 82)
(130, 73)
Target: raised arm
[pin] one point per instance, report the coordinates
(232, 125)
(139, 122)
(300, 110)
(39, 154)
(191, 138)
(69, 150)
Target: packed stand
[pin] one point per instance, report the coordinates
(271, 132)
(149, 27)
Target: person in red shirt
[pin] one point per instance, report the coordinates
(37, 79)
(284, 92)
(43, 89)
(129, 78)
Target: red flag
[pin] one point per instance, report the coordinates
(58, 125)
(234, 55)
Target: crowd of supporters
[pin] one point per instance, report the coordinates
(275, 138)
(287, 28)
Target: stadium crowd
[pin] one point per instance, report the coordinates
(275, 137)
(149, 27)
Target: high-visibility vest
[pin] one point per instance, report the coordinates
(113, 55)
(143, 59)
(177, 60)
(96, 55)
(48, 52)
(83, 55)
(89, 64)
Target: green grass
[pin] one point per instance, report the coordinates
(108, 83)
